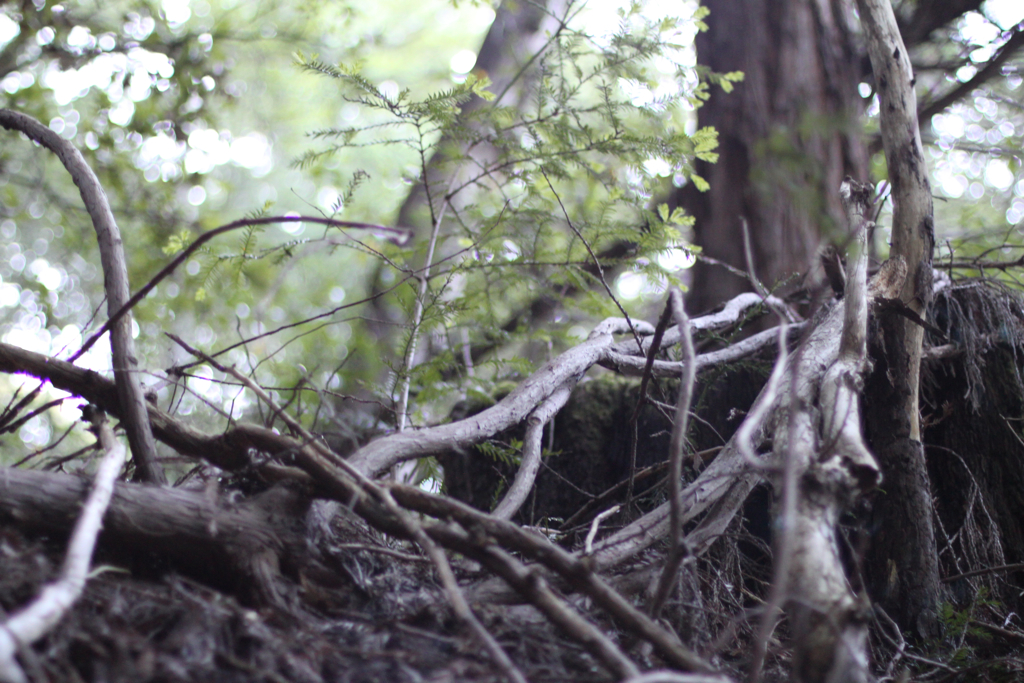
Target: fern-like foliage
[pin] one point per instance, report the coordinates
(529, 198)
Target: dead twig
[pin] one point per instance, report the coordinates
(576, 571)
(409, 525)
(532, 450)
(400, 236)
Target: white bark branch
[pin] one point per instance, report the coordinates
(34, 621)
(532, 451)
(913, 228)
(830, 467)
(723, 486)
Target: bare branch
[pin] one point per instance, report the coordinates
(577, 572)
(115, 281)
(529, 583)
(33, 622)
(532, 449)
(990, 70)
(408, 523)
(379, 455)
(677, 547)
(404, 377)
(895, 407)
(399, 236)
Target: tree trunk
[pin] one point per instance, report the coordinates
(514, 37)
(787, 138)
(903, 563)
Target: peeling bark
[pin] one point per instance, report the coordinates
(830, 621)
(903, 566)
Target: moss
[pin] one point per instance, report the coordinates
(593, 438)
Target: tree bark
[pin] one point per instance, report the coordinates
(239, 547)
(903, 568)
(513, 39)
(787, 138)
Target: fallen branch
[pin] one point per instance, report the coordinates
(34, 621)
(241, 544)
(346, 477)
(577, 572)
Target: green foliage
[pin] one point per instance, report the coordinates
(538, 190)
(507, 454)
(539, 186)
(957, 623)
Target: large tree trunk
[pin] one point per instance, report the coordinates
(787, 137)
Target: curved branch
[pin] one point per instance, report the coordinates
(678, 446)
(532, 450)
(398, 235)
(379, 455)
(115, 282)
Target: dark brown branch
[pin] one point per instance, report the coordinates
(575, 571)
(982, 265)
(342, 475)
(677, 545)
(227, 451)
(986, 570)
(32, 622)
(532, 586)
(930, 15)
(116, 286)
(652, 351)
(239, 545)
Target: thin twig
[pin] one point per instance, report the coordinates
(530, 583)
(595, 524)
(575, 570)
(659, 333)
(986, 570)
(597, 261)
(678, 548)
(409, 524)
(532, 450)
(401, 235)
(404, 378)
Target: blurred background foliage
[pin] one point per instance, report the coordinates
(198, 113)
(195, 113)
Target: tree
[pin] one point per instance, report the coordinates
(313, 494)
(787, 138)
